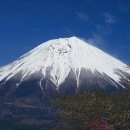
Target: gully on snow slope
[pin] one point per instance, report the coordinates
(55, 62)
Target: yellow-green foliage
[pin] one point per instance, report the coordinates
(96, 106)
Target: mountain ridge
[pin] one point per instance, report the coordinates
(52, 62)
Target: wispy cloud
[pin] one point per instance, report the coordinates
(101, 42)
(82, 16)
(110, 19)
(104, 30)
(69, 31)
(123, 7)
(97, 40)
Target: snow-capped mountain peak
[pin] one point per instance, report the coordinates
(55, 59)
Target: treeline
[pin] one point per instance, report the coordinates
(96, 110)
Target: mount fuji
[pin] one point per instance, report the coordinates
(64, 66)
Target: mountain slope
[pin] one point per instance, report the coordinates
(66, 61)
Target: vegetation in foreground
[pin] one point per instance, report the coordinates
(96, 110)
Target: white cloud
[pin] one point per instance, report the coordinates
(110, 19)
(97, 40)
(69, 31)
(82, 16)
(123, 7)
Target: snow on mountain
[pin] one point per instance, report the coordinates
(61, 56)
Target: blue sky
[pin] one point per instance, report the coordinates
(24, 24)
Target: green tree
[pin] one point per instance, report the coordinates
(114, 108)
